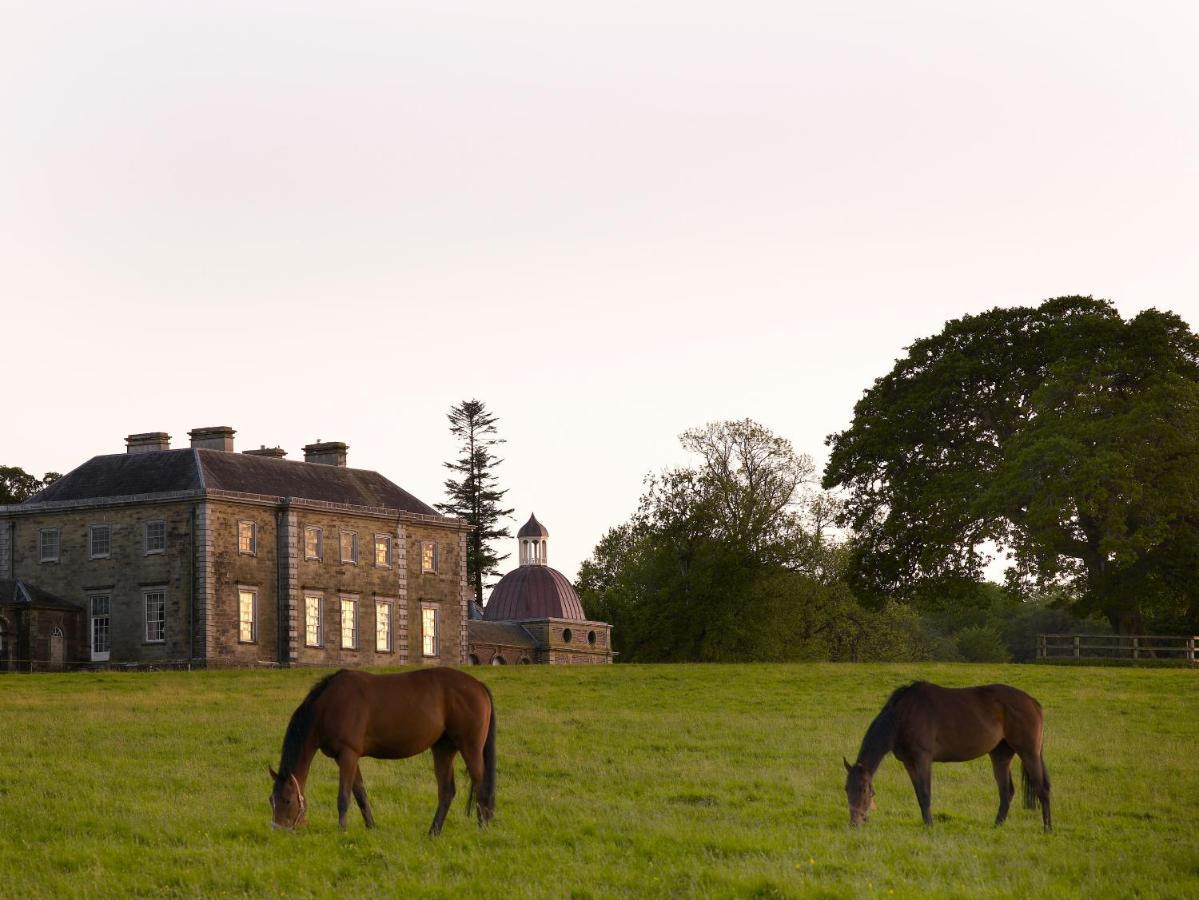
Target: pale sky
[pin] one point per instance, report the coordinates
(610, 221)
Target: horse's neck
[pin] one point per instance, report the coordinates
(304, 761)
(879, 740)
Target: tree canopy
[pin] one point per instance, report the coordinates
(17, 485)
(1062, 433)
(475, 496)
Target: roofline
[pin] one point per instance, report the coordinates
(521, 622)
(381, 512)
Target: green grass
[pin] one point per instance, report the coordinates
(613, 781)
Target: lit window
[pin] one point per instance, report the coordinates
(349, 547)
(312, 620)
(430, 639)
(48, 545)
(247, 538)
(156, 537)
(349, 623)
(428, 556)
(312, 542)
(156, 616)
(247, 615)
(100, 541)
(383, 550)
(383, 626)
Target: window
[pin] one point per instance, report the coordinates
(428, 556)
(430, 628)
(383, 626)
(349, 547)
(349, 623)
(156, 616)
(383, 551)
(313, 540)
(247, 538)
(48, 544)
(313, 631)
(156, 537)
(101, 620)
(99, 541)
(247, 604)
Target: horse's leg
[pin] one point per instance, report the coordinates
(347, 765)
(1001, 764)
(1034, 770)
(443, 768)
(921, 772)
(473, 757)
(360, 796)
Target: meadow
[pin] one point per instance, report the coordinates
(613, 781)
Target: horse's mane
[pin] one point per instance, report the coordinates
(880, 736)
(300, 726)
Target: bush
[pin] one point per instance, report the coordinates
(981, 643)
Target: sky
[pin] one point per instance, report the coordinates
(609, 221)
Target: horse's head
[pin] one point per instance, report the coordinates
(288, 807)
(859, 789)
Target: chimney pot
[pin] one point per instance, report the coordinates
(219, 437)
(327, 453)
(264, 450)
(147, 442)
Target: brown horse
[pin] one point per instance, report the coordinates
(923, 723)
(349, 715)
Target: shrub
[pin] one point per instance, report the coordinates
(981, 643)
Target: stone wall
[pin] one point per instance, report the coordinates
(446, 588)
(554, 647)
(233, 570)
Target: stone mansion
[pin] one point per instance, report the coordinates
(204, 556)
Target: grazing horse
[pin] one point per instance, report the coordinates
(349, 715)
(923, 723)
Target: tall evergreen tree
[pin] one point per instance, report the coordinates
(474, 495)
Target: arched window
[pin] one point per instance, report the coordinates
(498, 660)
(474, 660)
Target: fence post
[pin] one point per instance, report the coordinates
(1191, 649)
(1076, 648)
(1136, 647)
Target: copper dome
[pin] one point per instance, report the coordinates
(533, 592)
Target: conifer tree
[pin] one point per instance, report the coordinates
(474, 495)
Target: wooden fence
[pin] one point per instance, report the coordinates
(1177, 648)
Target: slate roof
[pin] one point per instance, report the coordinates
(22, 593)
(506, 634)
(533, 592)
(169, 471)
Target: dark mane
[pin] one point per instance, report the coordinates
(299, 727)
(880, 736)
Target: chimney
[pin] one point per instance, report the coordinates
(329, 453)
(219, 437)
(147, 442)
(264, 450)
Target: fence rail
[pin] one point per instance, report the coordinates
(1181, 648)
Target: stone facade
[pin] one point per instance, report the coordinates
(193, 564)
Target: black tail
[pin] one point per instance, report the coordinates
(487, 786)
(1030, 792)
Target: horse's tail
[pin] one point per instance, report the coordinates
(487, 785)
(1030, 791)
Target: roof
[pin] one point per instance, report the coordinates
(507, 634)
(533, 592)
(169, 471)
(532, 528)
(17, 592)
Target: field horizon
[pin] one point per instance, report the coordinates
(627, 780)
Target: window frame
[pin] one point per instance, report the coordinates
(146, 621)
(253, 551)
(253, 592)
(319, 597)
(92, 596)
(320, 542)
(341, 545)
(152, 551)
(352, 600)
(389, 605)
(383, 536)
(41, 545)
(435, 609)
(91, 541)
(431, 569)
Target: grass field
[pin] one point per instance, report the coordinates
(613, 781)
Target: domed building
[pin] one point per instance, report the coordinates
(534, 614)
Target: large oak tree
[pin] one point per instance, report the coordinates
(1063, 433)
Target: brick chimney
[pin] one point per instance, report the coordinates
(219, 437)
(328, 453)
(264, 450)
(147, 442)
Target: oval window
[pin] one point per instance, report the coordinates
(591, 638)
(566, 635)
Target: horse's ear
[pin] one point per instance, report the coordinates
(274, 775)
(848, 767)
